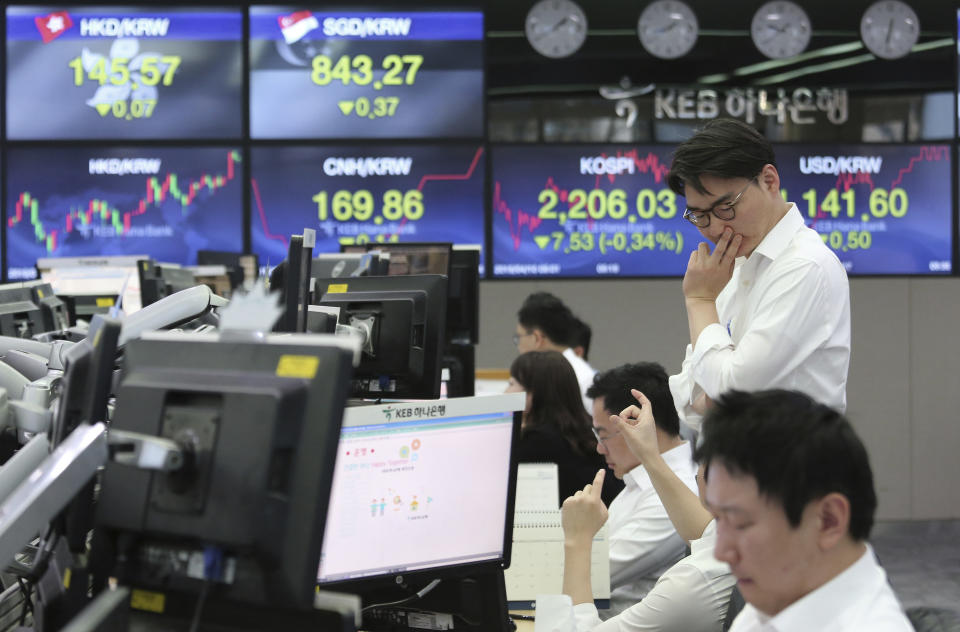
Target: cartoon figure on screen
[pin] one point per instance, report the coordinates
(414, 504)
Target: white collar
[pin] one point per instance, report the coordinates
(779, 237)
(820, 608)
(640, 478)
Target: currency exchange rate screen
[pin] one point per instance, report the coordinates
(352, 194)
(124, 73)
(164, 202)
(582, 210)
(365, 74)
(587, 210)
(883, 209)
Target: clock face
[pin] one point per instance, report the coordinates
(780, 29)
(668, 29)
(556, 28)
(889, 29)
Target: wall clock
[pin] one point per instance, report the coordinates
(668, 29)
(889, 29)
(556, 28)
(780, 29)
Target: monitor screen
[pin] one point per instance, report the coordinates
(587, 211)
(434, 475)
(411, 258)
(264, 416)
(883, 209)
(363, 194)
(359, 73)
(122, 72)
(104, 277)
(166, 203)
(401, 320)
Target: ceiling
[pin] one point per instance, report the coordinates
(612, 51)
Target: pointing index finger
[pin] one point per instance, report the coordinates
(640, 397)
(597, 487)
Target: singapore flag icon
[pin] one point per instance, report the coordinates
(296, 25)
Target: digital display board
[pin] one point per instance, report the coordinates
(364, 74)
(363, 194)
(594, 210)
(883, 209)
(78, 201)
(587, 210)
(124, 73)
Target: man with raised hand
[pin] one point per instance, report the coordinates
(769, 306)
(692, 595)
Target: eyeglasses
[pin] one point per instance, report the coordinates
(517, 337)
(600, 439)
(724, 211)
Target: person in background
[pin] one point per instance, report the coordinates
(555, 429)
(580, 342)
(770, 306)
(545, 323)
(693, 594)
(643, 541)
(792, 490)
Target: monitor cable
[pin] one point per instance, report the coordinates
(418, 595)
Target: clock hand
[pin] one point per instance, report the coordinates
(889, 33)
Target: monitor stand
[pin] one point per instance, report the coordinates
(473, 603)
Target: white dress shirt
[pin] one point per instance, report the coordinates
(585, 374)
(692, 596)
(784, 323)
(643, 541)
(857, 600)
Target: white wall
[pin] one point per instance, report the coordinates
(903, 394)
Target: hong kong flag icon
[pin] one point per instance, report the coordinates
(53, 25)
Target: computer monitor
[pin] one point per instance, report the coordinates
(411, 257)
(350, 264)
(421, 490)
(402, 319)
(461, 265)
(259, 424)
(463, 296)
(158, 280)
(54, 315)
(293, 276)
(19, 316)
(93, 285)
(241, 268)
(87, 381)
(53, 311)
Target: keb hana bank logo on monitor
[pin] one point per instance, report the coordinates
(53, 25)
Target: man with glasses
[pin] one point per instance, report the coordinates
(643, 540)
(769, 307)
(545, 323)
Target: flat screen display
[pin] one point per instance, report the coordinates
(124, 73)
(883, 209)
(586, 211)
(164, 202)
(358, 73)
(417, 491)
(362, 194)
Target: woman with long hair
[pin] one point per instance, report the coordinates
(555, 427)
